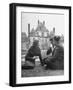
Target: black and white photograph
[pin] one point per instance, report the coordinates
(42, 44)
(40, 41)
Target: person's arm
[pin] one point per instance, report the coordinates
(28, 57)
(40, 57)
(41, 60)
(49, 51)
(54, 57)
(29, 54)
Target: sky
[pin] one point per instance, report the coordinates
(51, 20)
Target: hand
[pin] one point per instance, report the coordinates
(34, 57)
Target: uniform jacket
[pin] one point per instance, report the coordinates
(56, 61)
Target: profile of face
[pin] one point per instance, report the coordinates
(54, 43)
(51, 41)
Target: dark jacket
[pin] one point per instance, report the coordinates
(33, 51)
(49, 51)
(56, 61)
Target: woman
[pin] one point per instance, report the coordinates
(56, 61)
(31, 55)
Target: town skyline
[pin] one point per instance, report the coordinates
(50, 22)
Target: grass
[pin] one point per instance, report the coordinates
(40, 71)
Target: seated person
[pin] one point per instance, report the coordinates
(49, 51)
(56, 61)
(31, 55)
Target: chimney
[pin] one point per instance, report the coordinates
(28, 29)
(43, 22)
(38, 22)
(54, 30)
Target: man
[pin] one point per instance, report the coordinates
(49, 51)
(56, 61)
(31, 55)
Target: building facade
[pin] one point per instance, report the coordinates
(42, 34)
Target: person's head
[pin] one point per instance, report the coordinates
(51, 40)
(35, 43)
(56, 40)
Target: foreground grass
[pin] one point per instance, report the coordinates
(40, 71)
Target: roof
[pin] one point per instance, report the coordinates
(40, 28)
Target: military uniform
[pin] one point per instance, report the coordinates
(56, 61)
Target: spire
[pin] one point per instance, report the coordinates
(53, 29)
(38, 22)
(43, 22)
(28, 29)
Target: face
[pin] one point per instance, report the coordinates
(54, 43)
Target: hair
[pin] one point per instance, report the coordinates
(57, 38)
(35, 43)
(51, 39)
